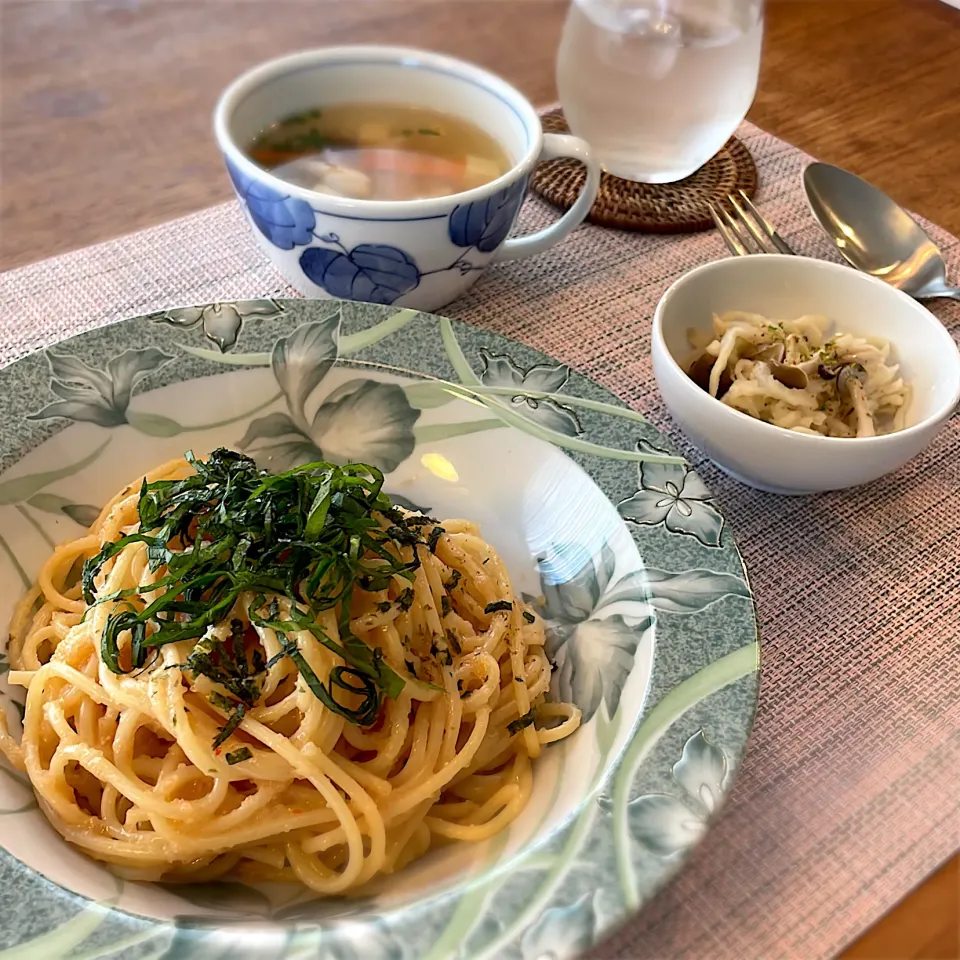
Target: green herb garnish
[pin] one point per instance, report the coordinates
(454, 580)
(236, 712)
(304, 117)
(515, 726)
(440, 651)
(417, 520)
(434, 538)
(300, 143)
(497, 606)
(238, 756)
(454, 643)
(299, 538)
(529, 617)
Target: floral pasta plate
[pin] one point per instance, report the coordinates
(651, 623)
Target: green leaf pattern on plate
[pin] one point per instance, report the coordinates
(592, 646)
(546, 379)
(667, 824)
(674, 496)
(82, 514)
(559, 931)
(362, 420)
(220, 322)
(97, 396)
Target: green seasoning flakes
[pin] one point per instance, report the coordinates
(298, 118)
(454, 580)
(300, 543)
(235, 717)
(517, 725)
(238, 756)
(497, 606)
(435, 534)
(309, 140)
(454, 643)
(529, 617)
(440, 651)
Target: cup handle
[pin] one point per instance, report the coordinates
(558, 145)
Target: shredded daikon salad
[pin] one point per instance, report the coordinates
(791, 374)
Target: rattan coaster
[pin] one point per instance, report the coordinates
(679, 207)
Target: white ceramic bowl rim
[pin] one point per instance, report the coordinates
(407, 57)
(949, 346)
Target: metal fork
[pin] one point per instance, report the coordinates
(746, 231)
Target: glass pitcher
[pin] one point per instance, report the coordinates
(657, 86)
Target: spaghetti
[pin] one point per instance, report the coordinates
(191, 714)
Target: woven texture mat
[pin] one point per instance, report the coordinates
(680, 207)
(850, 792)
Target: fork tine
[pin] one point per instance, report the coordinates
(730, 237)
(740, 231)
(772, 236)
(763, 242)
(735, 224)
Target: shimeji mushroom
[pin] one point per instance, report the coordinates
(700, 374)
(771, 353)
(850, 382)
(795, 375)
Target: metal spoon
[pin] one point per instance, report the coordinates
(875, 235)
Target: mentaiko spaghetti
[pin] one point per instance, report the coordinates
(281, 677)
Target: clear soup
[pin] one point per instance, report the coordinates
(380, 151)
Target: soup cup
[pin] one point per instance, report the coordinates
(412, 253)
(772, 458)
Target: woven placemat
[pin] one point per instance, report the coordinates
(680, 207)
(849, 795)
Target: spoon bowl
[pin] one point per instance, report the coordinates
(874, 234)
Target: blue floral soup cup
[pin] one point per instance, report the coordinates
(412, 253)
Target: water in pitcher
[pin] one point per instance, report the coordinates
(657, 86)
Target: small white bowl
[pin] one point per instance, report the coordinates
(782, 287)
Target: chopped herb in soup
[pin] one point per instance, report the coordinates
(378, 151)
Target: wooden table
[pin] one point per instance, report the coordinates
(104, 129)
